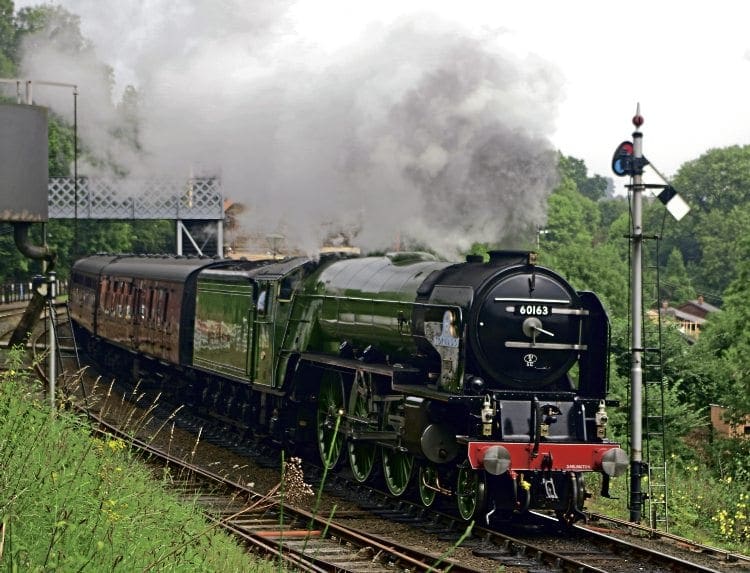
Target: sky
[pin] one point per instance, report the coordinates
(446, 110)
(687, 63)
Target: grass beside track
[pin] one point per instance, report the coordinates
(702, 507)
(71, 502)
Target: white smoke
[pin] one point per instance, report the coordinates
(419, 130)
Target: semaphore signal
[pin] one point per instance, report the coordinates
(629, 161)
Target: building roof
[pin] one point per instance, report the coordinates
(686, 316)
(701, 303)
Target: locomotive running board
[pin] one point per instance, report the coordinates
(350, 364)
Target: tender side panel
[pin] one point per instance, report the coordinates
(224, 316)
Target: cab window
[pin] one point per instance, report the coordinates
(262, 303)
(289, 284)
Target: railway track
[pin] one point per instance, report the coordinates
(267, 524)
(9, 316)
(621, 527)
(326, 540)
(540, 546)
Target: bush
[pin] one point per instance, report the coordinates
(71, 502)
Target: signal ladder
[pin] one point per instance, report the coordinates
(66, 348)
(654, 424)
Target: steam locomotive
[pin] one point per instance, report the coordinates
(482, 382)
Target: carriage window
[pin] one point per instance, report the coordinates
(159, 307)
(127, 299)
(151, 304)
(166, 307)
(130, 302)
(118, 298)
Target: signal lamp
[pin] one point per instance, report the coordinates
(622, 160)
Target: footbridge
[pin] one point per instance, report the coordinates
(193, 203)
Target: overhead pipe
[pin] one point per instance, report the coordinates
(23, 242)
(23, 330)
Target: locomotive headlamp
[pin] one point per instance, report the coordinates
(488, 415)
(601, 419)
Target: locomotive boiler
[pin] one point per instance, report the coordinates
(483, 382)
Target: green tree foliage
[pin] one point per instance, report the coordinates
(676, 286)
(594, 188)
(724, 346)
(717, 180)
(72, 241)
(53, 25)
(572, 243)
(13, 265)
(717, 187)
(681, 416)
(480, 249)
(610, 210)
(719, 233)
(61, 147)
(7, 39)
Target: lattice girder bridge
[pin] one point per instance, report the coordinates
(197, 200)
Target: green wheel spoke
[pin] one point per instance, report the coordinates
(397, 469)
(330, 429)
(470, 493)
(427, 484)
(361, 453)
(397, 464)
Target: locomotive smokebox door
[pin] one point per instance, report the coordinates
(527, 334)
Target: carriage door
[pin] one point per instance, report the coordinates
(263, 360)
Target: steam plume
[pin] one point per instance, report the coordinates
(420, 129)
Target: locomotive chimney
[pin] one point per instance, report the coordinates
(507, 258)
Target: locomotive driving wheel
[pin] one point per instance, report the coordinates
(330, 411)
(361, 453)
(471, 493)
(398, 463)
(428, 484)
